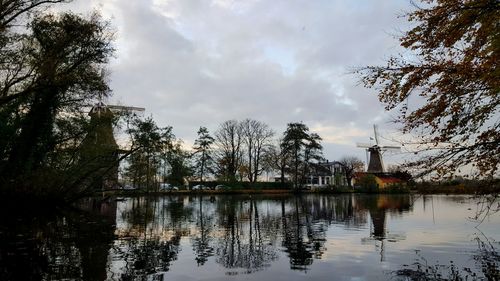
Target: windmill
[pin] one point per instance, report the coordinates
(99, 150)
(375, 162)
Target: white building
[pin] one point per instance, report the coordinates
(327, 173)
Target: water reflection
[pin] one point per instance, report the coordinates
(243, 234)
(145, 238)
(54, 246)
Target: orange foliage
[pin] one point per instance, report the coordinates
(453, 75)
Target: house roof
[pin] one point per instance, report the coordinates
(319, 170)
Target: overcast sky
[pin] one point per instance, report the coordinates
(195, 63)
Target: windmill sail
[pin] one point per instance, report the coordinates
(125, 108)
(375, 132)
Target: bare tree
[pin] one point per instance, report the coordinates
(256, 136)
(351, 165)
(278, 159)
(229, 143)
(12, 10)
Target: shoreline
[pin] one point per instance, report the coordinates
(274, 191)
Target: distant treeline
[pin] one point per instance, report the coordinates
(458, 186)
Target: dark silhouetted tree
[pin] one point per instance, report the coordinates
(302, 147)
(48, 75)
(178, 159)
(150, 144)
(203, 153)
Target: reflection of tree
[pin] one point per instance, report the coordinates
(70, 244)
(140, 213)
(201, 243)
(245, 234)
(303, 238)
(150, 235)
(154, 215)
(242, 244)
(93, 239)
(144, 257)
(335, 210)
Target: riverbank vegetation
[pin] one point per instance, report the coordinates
(458, 186)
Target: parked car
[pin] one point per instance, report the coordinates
(222, 187)
(164, 185)
(128, 187)
(198, 187)
(167, 187)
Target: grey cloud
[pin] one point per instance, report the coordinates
(196, 63)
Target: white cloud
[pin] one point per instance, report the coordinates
(198, 63)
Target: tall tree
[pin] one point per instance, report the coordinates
(302, 148)
(351, 165)
(203, 153)
(229, 142)
(447, 86)
(313, 152)
(256, 136)
(278, 159)
(150, 143)
(180, 169)
(293, 142)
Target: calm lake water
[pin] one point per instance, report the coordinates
(272, 237)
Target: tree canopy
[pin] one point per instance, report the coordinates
(203, 153)
(446, 87)
(303, 147)
(50, 71)
(351, 165)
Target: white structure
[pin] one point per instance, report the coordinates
(327, 174)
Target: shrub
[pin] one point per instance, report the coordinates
(367, 183)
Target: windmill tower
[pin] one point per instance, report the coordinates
(99, 151)
(375, 162)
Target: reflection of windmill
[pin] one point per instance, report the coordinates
(99, 151)
(376, 164)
